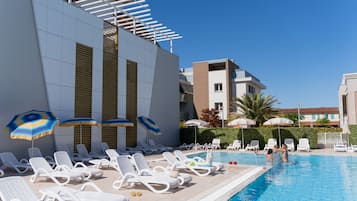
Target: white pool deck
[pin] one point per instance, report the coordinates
(220, 186)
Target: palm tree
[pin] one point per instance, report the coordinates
(257, 106)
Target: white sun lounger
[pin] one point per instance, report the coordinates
(289, 144)
(2, 173)
(36, 152)
(9, 160)
(271, 143)
(182, 157)
(83, 152)
(128, 175)
(354, 147)
(41, 168)
(74, 156)
(303, 145)
(216, 143)
(62, 159)
(236, 145)
(16, 189)
(143, 167)
(340, 147)
(253, 145)
(191, 166)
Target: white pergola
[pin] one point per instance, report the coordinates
(132, 15)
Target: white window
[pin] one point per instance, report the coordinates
(218, 87)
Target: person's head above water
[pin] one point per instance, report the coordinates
(270, 151)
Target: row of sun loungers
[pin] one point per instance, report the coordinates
(132, 169)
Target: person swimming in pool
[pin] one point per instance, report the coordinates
(284, 153)
(269, 156)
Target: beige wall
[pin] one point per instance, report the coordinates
(200, 86)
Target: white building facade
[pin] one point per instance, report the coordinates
(347, 96)
(42, 56)
(217, 83)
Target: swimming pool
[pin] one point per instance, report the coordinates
(310, 178)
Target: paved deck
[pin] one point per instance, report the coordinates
(219, 186)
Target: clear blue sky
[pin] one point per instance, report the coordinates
(298, 48)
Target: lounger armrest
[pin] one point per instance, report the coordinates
(198, 159)
(24, 161)
(90, 184)
(143, 171)
(62, 168)
(49, 158)
(41, 170)
(80, 164)
(157, 168)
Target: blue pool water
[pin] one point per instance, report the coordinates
(304, 178)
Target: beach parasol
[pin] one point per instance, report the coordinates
(79, 121)
(242, 122)
(196, 123)
(279, 121)
(31, 125)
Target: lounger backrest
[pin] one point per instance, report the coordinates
(254, 142)
(304, 142)
(140, 161)
(170, 158)
(82, 150)
(38, 163)
(112, 153)
(66, 149)
(288, 141)
(180, 155)
(216, 141)
(8, 159)
(125, 166)
(272, 142)
(104, 146)
(236, 142)
(62, 158)
(12, 188)
(34, 152)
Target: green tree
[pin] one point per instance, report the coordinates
(323, 122)
(293, 117)
(257, 107)
(211, 116)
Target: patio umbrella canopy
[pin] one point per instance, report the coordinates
(149, 125)
(242, 122)
(196, 123)
(79, 121)
(119, 122)
(278, 121)
(32, 125)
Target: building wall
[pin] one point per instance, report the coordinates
(22, 82)
(218, 76)
(157, 86)
(60, 26)
(348, 87)
(200, 87)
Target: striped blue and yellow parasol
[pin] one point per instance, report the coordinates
(149, 125)
(31, 125)
(119, 122)
(79, 121)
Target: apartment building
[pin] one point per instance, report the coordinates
(97, 59)
(347, 96)
(217, 83)
(311, 116)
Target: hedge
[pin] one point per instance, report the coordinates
(227, 135)
(353, 135)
